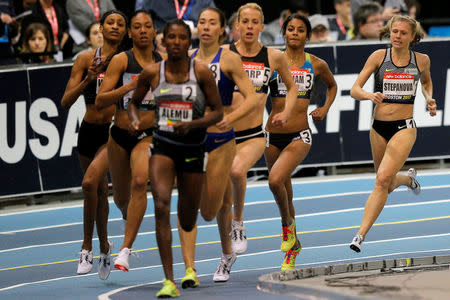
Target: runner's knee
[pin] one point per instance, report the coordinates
(383, 180)
(139, 183)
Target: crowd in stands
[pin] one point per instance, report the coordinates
(33, 31)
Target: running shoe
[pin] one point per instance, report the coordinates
(415, 186)
(289, 258)
(356, 243)
(104, 263)
(289, 237)
(85, 263)
(190, 280)
(223, 270)
(122, 261)
(169, 290)
(238, 237)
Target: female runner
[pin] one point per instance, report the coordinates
(128, 152)
(397, 71)
(289, 145)
(182, 88)
(259, 62)
(86, 77)
(227, 69)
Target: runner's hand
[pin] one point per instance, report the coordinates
(181, 128)
(94, 69)
(377, 97)
(319, 113)
(224, 124)
(431, 105)
(133, 128)
(279, 120)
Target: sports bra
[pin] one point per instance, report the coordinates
(132, 71)
(224, 84)
(257, 68)
(398, 84)
(178, 102)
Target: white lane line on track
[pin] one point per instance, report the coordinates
(105, 296)
(250, 185)
(245, 204)
(262, 253)
(246, 222)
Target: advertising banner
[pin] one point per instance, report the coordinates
(38, 138)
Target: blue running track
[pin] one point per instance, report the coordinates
(39, 248)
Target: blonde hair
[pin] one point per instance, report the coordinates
(416, 28)
(251, 5)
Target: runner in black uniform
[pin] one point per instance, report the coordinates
(397, 71)
(128, 151)
(182, 89)
(259, 62)
(289, 145)
(87, 75)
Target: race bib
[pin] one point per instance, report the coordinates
(303, 79)
(399, 86)
(100, 78)
(172, 112)
(215, 69)
(148, 98)
(189, 92)
(258, 74)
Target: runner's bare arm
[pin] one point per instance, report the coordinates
(321, 69)
(372, 64)
(233, 63)
(427, 84)
(107, 94)
(76, 83)
(208, 85)
(281, 65)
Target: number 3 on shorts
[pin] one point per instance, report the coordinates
(306, 136)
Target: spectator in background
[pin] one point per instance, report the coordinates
(272, 32)
(368, 21)
(233, 32)
(94, 38)
(413, 7)
(164, 11)
(342, 22)
(389, 7)
(158, 41)
(7, 25)
(54, 17)
(7, 12)
(319, 29)
(22, 5)
(83, 12)
(126, 6)
(36, 39)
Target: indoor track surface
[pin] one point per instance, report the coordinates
(39, 247)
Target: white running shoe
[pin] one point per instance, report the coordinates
(415, 186)
(238, 237)
(104, 263)
(223, 270)
(122, 261)
(85, 263)
(356, 243)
